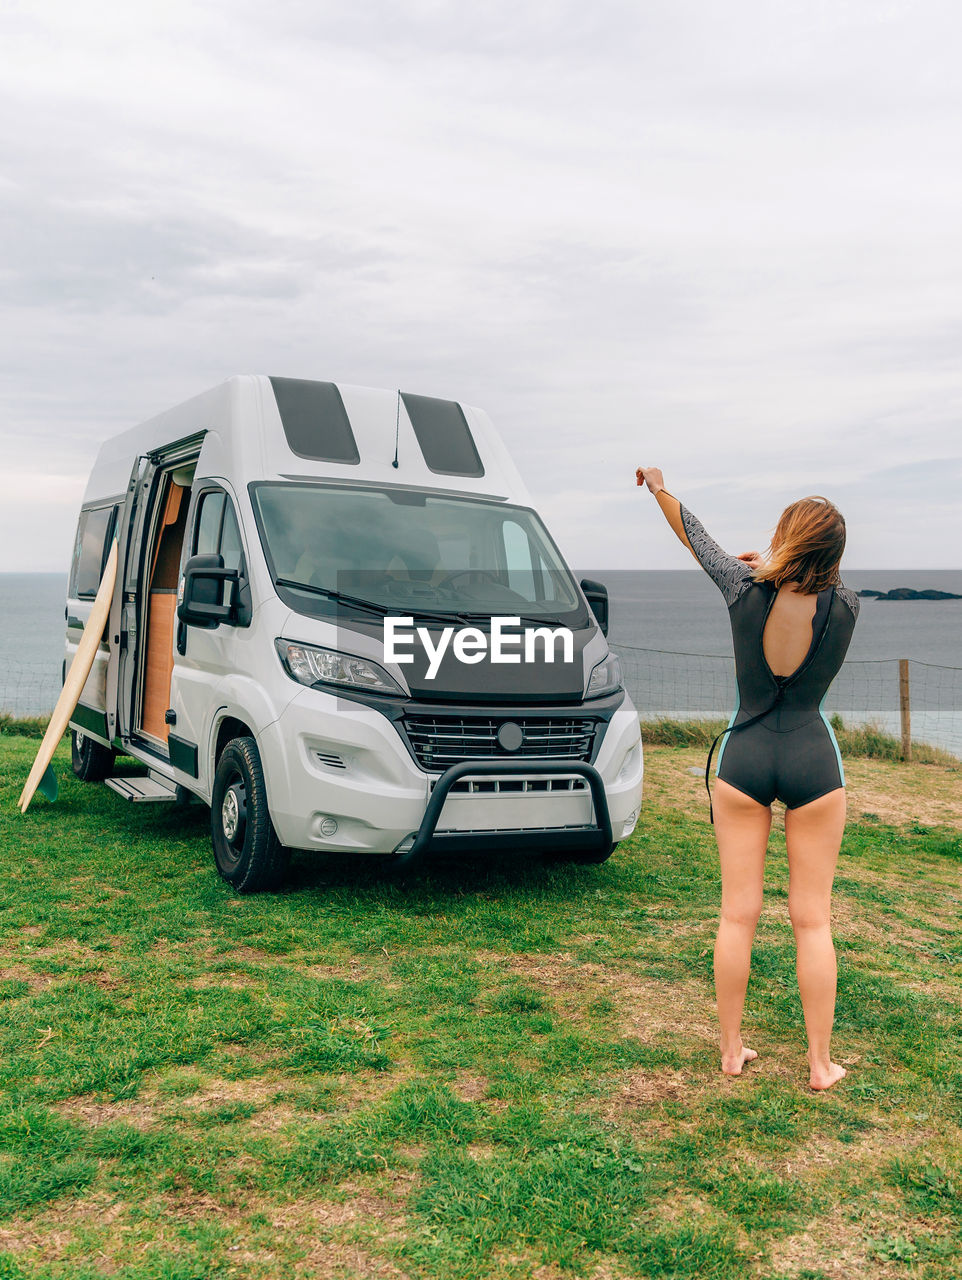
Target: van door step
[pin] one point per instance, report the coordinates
(143, 790)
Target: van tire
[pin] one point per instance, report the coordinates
(247, 851)
(91, 761)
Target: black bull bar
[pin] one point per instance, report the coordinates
(591, 838)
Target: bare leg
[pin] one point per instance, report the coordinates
(741, 829)
(813, 834)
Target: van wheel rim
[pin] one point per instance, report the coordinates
(80, 741)
(233, 817)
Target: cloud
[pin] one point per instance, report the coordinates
(722, 239)
(93, 259)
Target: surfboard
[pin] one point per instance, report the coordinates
(76, 679)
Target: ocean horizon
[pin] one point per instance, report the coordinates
(665, 614)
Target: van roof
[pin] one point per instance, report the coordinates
(258, 427)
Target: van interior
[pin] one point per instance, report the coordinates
(163, 556)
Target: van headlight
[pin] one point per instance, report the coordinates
(308, 664)
(605, 677)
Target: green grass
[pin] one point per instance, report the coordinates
(496, 1068)
(23, 726)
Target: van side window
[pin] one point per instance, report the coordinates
(91, 550)
(217, 532)
(211, 512)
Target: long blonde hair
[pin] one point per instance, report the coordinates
(806, 546)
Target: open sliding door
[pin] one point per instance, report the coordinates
(154, 519)
(122, 625)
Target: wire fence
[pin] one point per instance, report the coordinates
(894, 694)
(28, 688)
(687, 686)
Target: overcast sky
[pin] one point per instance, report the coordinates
(725, 239)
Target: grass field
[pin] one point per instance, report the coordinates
(500, 1070)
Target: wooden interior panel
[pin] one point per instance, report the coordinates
(170, 538)
(161, 611)
(161, 619)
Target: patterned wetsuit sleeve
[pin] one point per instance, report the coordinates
(850, 598)
(731, 575)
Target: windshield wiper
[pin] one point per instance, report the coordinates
(339, 597)
(539, 620)
(413, 610)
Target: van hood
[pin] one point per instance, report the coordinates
(436, 672)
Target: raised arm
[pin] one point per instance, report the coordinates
(729, 573)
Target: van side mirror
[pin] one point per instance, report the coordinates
(596, 593)
(200, 597)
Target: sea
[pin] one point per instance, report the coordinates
(670, 627)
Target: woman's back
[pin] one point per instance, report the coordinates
(788, 630)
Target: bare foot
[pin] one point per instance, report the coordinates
(732, 1063)
(825, 1077)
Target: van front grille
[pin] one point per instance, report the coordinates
(440, 741)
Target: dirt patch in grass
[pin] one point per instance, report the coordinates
(844, 1244)
(550, 1271)
(190, 1205)
(23, 973)
(412, 1151)
(642, 1088)
(138, 1112)
(218, 1092)
(469, 1087)
(840, 1247)
(341, 1260)
(645, 1008)
(68, 951)
(50, 1234)
(900, 793)
(370, 1087)
(670, 782)
(102, 978)
(637, 1102)
(155, 1104)
(345, 1222)
(356, 1204)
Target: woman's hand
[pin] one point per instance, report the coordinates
(651, 477)
(752, 559)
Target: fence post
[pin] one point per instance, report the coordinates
(905, 709)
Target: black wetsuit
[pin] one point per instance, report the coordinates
(789, 752)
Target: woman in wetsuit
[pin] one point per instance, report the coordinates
(791, 621)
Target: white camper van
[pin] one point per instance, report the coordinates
(339, 623)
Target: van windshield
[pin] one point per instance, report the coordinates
(405, 551)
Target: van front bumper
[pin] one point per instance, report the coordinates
(587, 837)
(340, 779)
